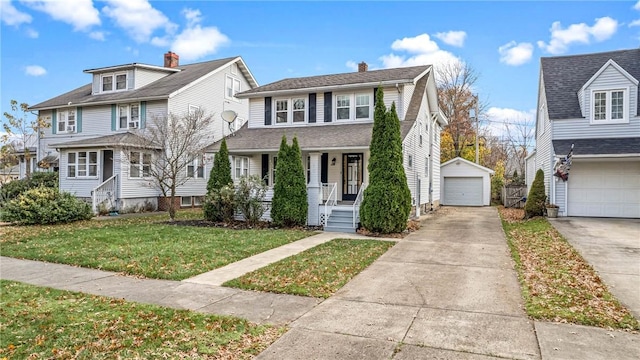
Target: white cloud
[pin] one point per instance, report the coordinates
(637, 6)
(138, 18)
(79, 13)
(561, 38)
(196, 41)
(32, 33)
(635, 23)
(500, 118)
(425, 52)
(35, 70)
(97, 35)
(12, 16)
(453, 38)
(515, 54)
(352, 65)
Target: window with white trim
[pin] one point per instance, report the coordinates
(240, 167)
(193, 109)
(113, 82)
(129, 116)
(82, 164)
(609, 106)
(139, 164)
(357, 106)
(195, 169)
(291, 111)
(232, 87)
(67, 121)
(426, 166)
(410, 161)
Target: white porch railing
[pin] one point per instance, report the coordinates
(330, 200)
(106, 193)
(356, 205)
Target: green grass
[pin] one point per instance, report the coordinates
(40, 322)
(557, 283)
(146, 246)
(317, 272)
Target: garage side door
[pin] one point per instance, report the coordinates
(604, 189)
(463, 191)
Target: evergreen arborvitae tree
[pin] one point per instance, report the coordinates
(536, 199)
(289, 205)
(387, 200)
(220, 174)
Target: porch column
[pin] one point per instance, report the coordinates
(313, 189)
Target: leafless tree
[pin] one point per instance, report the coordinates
(20, 133)
(519, 139)
(176, 140)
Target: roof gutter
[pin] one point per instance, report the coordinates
(104, 102)
(323, 88)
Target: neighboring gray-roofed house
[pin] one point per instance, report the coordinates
(92, 124)
(590, 103)
(332, 118)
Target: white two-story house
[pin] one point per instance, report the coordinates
(332, 118)
(91, 125)
(590, 102)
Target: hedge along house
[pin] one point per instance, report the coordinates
(91, 126)
(332, 118)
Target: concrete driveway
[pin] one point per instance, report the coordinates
(612, 247)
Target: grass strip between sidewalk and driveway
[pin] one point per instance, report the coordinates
(557, 283)
(38, 322)
(317, 272)
(148, 247)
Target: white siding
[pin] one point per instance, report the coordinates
(256, 112)
(582, 129)
(77, 186)
(142, 77)
(544, 150)
(132, 187)
(404, 99)
(320, 108)
(530, 171)
(435, 160)
(560, 198)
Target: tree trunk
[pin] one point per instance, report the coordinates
(172, 204)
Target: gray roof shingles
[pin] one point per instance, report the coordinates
(114, 140)
(564, 76)
(374, 76)
(612, 146)
(157, 89)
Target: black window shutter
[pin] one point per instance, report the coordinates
(312, 108)
(267, 110)
(265, 168)
(324, 168)
(375, 95)
(328, 106)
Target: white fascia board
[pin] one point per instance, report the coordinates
(323, 89)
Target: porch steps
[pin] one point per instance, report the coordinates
(340, 220)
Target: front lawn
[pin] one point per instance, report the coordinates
(45, 323)
(557, 283)
(318, 272)
(148, 246)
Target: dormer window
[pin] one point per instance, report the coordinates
(114, 82)
(610, 106)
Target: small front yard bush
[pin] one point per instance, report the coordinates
(45, 205)
(536, 199)
(12, 189)
(219, 204)
(249, 198)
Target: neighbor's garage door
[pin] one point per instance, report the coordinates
(463, 191)
(604, 189)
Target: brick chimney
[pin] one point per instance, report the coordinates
(363, 67)
(171, 60)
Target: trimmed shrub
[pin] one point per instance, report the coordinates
(14, 188)
(220, 174)
(249, 198)
(45, 205)
(289, 205)
(386, 204)
(219, 204)
(536, 199)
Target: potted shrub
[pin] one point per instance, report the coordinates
(552, 210)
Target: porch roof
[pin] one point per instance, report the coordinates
(612, 146)
(311, 137)
(115, 140)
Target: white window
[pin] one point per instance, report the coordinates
(609, 106)
(129, 116)
(282, 111)
(541, 119)
(139, 164)
(426, 167)
(240, 167)
(195, 169)
(82, 164)
(298, 110)
(67, 121)
(232, 87)
(289, 111)
(113, 82)
(353, 107)
(193, 109)
(185, 201)
(410, 161)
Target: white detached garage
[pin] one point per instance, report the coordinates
(464, 183)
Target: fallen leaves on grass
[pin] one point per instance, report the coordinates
(557, 283)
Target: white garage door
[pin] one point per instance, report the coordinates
(463, 191)
(604, 189)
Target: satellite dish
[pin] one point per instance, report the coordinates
(229, 116)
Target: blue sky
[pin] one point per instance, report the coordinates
(45, 45)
